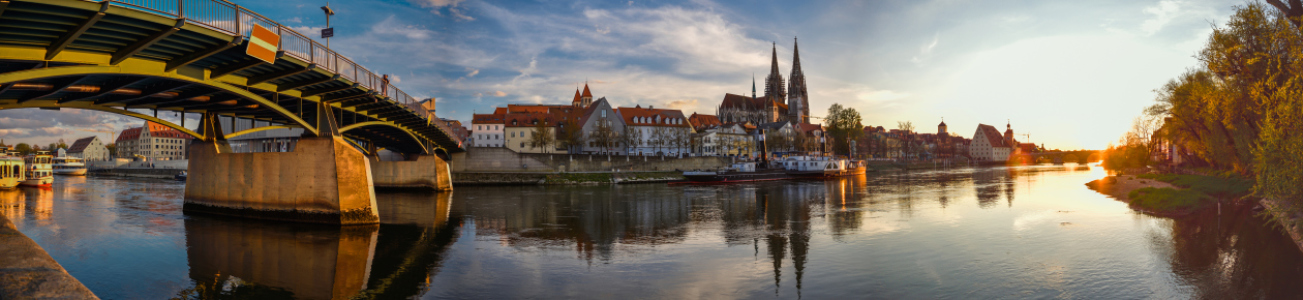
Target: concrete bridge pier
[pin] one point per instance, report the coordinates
(418, 171)
(325, 179)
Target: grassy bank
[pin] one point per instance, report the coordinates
(1172, 195)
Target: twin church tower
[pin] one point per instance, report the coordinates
(780, 103)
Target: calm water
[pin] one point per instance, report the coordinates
(1032, 232)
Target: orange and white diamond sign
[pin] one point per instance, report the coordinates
(263, 44)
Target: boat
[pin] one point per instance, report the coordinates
(739, 172)
(180, 176)
(69, 166)
(39, 169)
(11, 171)
(822, 167)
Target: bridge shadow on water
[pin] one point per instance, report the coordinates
(239, 259)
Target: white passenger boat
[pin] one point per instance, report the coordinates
(40, 172)
(73, 166)
(11, 171)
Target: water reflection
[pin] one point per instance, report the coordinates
(933, 234)
(238, 259)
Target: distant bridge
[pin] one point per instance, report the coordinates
(188, 57)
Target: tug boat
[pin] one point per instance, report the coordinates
(11, 171)
(69, 166)
(739, 172)
(39, 169)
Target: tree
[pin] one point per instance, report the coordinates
(1294, 10)
(632, 138)
(571, 136)
(62, 144)
(604, 136)
(906, 146)
(113, 149)
(541, 137)
(659, 137)
(23, 148)
(843, 125)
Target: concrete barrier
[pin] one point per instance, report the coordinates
(505, 160)
(324, 180)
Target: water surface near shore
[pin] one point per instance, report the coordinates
(1026, 232)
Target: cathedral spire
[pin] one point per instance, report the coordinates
(753, 85)
(773, 69)
(796, 59)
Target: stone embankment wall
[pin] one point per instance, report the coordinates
(180, 164)
(142, 173)
(28, 272)
(523, 178)
(504, 160)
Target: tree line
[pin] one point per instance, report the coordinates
(1239, 110)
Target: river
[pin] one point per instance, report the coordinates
(1025, 232)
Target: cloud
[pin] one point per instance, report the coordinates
(472, 72)
(926, 49)
(394, 79)
(1163, 13)
(438, 3)
(499, 94)
(682, 104)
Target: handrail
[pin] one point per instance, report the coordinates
(224, 16)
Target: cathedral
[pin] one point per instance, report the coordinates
(781, 102)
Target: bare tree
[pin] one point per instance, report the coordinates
(632, 138)
(542, 136)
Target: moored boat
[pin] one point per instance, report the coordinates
(822, 167)
(739, 172)
(11, 171)
(39, 169)
(69, 166)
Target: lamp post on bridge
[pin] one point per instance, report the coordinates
(327, 32)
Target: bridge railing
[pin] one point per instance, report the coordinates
(230, 18)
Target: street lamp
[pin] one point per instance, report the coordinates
(327, 32)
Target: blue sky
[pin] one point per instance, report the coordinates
(1071, 73)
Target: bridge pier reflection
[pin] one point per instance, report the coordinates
(237, 258)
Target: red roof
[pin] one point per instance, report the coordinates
(130, 134)
(806, 128)
(155, 130)
(993, 136)
(654, 117)
(487, 118)
(587, 93)
(702, 121)
(577, 98)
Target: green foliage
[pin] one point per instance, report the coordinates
(1126, 157)
(23, 148)
(844, 125)
(1167, 199)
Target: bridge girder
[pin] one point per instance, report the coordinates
(85, 71)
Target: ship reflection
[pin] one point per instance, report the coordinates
(238, 259)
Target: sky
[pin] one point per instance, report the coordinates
(1071, 74)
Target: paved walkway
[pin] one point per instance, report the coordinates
(28, 272)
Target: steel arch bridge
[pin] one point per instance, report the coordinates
(137, 58)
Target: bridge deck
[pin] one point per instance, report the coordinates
(189, 56)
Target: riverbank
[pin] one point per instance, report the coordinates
(1127, 188)
(549, 178)
(1285, 216)
(28, 272)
